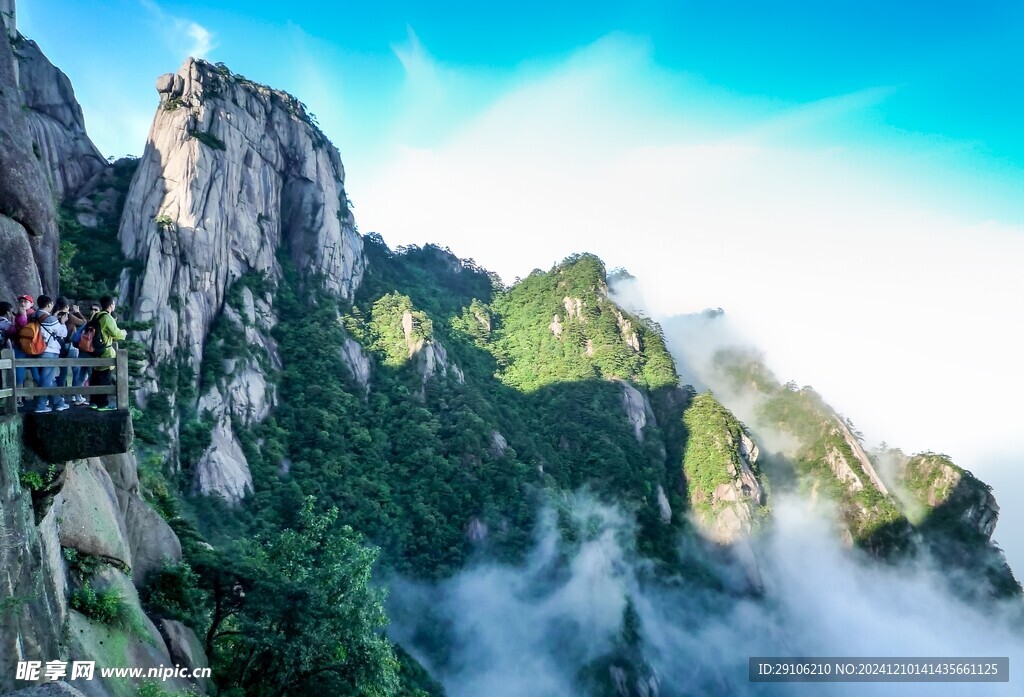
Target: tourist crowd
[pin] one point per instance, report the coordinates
(44, 329)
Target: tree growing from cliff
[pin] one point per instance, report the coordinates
(309, 621)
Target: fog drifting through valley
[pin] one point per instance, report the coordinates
(527, 631)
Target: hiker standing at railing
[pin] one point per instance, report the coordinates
(74, 323)
(22, 311)
(106, 332)
(7, 331)
(52, 330)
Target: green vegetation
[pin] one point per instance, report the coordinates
(173, 592)
(874, 519)
(164, 223)
(208, 139)
(711, 457)
(952, 518)
(288, 612)
(31, 480)
(106, 606)
(90, 259)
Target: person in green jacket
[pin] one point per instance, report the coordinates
(109, 333)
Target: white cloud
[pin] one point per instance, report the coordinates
(531, 630)
(202, 39)
(863, 262)
(183, 36)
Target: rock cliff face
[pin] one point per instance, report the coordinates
(638, 409)
(28, 229)
(87, 509)
(56, 123)
(233, 174)
(933, 483)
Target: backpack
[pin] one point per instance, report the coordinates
(91, 341)
(31, 340)
(5, 333)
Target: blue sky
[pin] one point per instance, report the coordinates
(846, 179)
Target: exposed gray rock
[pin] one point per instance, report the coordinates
(151, 540)
(664, 508)
(841, 468)
(498, 444)
(9, 16)
(91, 520)
(184, 647)
(21, 275)
(433, 360)
(627, 331)
(223, 469)
(358, 363)
(573, 308)
(861, 456)
(638, 409)
(25, 196)
(430, 354)
(232, 172)
(56, 123)
(742, 495)
(477, 530)
(30, 625)
(556, 326)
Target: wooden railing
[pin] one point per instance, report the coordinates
(9, 390)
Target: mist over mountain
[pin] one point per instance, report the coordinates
(352, 468)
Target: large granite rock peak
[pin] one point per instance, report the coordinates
(235, 178)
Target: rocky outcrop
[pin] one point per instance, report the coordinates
(32, 596)
(860, 456)
(573, 308)
(664, 508)
(184, 647)
(94, 511)
(719, 463)
(935, 483)
(638, 409)
(28, 229)
(627, 331)
(739, 498)
(499, 446)
(430, 354)
(233, 172)
(223, 469)
(358, 363)
(556, 326)
(56, 122)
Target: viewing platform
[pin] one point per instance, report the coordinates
(59, 436)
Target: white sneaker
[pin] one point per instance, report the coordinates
(63, 406)
(44, 410)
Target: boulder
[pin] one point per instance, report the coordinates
(150, 538)
(185, 648)
(90, 517)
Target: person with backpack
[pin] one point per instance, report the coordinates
(6, 324)
(75, 322)
(102, 331)
(41, 338)
(22, 311)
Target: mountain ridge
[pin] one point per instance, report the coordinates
(286, 368)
